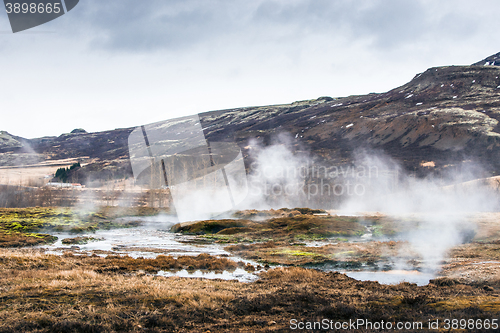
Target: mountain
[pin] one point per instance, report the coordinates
(8, 141)
(447, 115)
(493, 60)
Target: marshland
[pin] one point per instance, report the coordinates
(112, 270)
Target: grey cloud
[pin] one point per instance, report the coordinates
(391, 22)
(155, 24)
(148, 25)
(456, 24)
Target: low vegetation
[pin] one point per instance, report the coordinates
(79, 240)
(277, 228)
(340, 255)
(29, 226)
(89, 293)
(47, 293)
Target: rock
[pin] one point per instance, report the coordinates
(78, 131)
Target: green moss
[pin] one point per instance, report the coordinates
(26, 224)
(382, 230)
(309, 237)
(291, 252)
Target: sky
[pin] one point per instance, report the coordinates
(121, 63)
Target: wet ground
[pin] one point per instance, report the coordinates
(142, 277)
(154, 238)
(74, 293)
(149, 241)
(369, 246)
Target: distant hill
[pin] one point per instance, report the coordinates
(493, 60)
(447, 115)
(8, 141)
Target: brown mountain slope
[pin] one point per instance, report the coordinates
(446, 114)
(493, 60)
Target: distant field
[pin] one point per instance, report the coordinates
(28, 176)
(37, 175)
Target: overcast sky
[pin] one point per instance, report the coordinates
(122, 63)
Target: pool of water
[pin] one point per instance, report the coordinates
(393, 276)
(238, 274)
(139, 242)
(149, 241)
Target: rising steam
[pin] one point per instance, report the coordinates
(435, 213)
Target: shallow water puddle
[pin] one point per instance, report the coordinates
(393, 277)
(238, 274)
(139, 242)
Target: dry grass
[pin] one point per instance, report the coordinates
(112, 263)
(46, 293)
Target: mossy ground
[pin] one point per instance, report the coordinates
(73, 293)
(339, 255)
(299, 226)
(29, 226)
(280, 236)
(285, 236)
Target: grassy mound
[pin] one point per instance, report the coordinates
(297, 226)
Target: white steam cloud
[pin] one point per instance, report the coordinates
(433, 213)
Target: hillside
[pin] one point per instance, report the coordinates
(446, 115)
